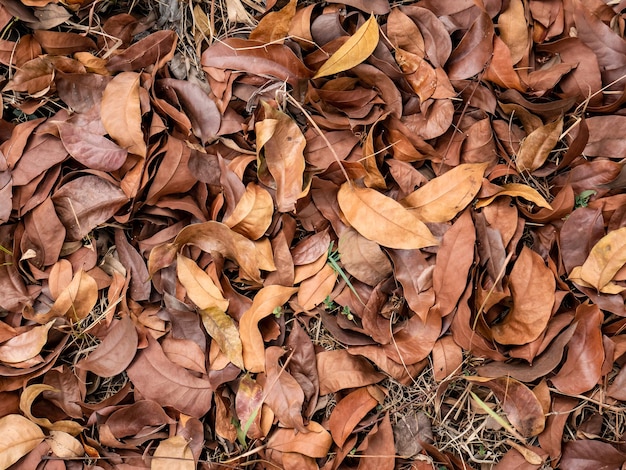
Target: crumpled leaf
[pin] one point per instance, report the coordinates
(28, 397)
(212, 308)
(280, 151)
(354, 51)
(382, 219)
(516, 190)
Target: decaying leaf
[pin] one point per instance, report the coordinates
(20, 436)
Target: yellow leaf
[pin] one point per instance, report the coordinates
(19, 437)
(354, 51)
(212, 308)
(28, 397)
(536, 147)
(516, 190)
(264, 303)
(442, 198)
(173, 453)
(605, 259)
(382, 219)
(121, 112)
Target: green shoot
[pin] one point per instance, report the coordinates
(582, 200)
(333, 260)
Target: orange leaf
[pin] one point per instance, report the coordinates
(532, 286)
(314, 443)
(121, 112)
(382, 219)
(264, 303)
(442, 198)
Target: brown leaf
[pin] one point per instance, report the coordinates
(585, 354)
(535, 149)
(382, 219)
(354, 51)
(591, 454)
(264, 303)
(28, 397)
(541, 366)
(44, 235)
(282, 392)
(86, 202)
(158, 379)
(605, 259)
(314, 443)
(338, 370)
(314, 290)
(530, 313)
(410, 431)
(62, 43)
(516, 190)
(253, 214)
(447, 358)
(363, 258)
(211, 237)
(404, 33)
(121, 112)
(442, 198)
(520, 404)
(153, 50)
(280, 147)
(19, 437)
(92, 150)
(416, 339)
(473, 51)
(348, 413)
(257, 58)
(116, 351)
(377, 448)
(273, 28)
(454, 260)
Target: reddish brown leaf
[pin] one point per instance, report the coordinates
(349, 412)
(115, 352)
(158, 379)
(338, 370)
(585, 354)
(153, 50)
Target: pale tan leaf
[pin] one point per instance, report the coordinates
(516, 190)
(64, 445)
(173, 453)
(514, 30)
(19, 437)
(253, 214)
(26, 345)
(382, 219)
(354, 51)
(605, 259)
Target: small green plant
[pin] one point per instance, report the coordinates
(333, 260)
(345, 310)
(278, 311)
(329, 304)
(582, 200)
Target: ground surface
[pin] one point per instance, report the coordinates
(370, 235)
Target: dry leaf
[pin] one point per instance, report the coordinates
(382, 219)
(19, 437)
(354, 51)
(442, 198)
